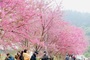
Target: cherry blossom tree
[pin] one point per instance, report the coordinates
(59, 37)
(15, 16)
(31, 22)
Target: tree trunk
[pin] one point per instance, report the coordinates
(59, 57)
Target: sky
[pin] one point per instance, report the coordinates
(75, 5)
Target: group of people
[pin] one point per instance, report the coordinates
(23, 55)
(70, 57)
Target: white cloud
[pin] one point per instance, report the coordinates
(78, 5)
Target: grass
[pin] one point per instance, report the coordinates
(87, 54)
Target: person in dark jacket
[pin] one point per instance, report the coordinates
(21, 56)
(33, 57)
(45, 56)
(9, 57)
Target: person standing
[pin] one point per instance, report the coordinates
(21, 56)
(9, 57)
(67, 57)
(26, 55)
(17, 55)
(33, 57)
(73, 57)
(45, 56)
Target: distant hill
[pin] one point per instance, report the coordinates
(77, 18)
